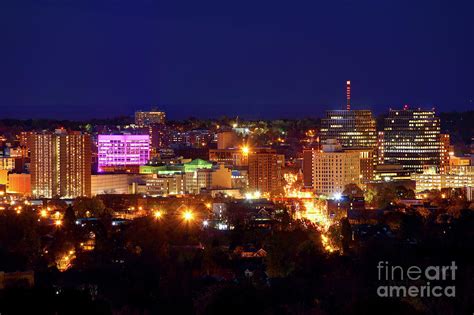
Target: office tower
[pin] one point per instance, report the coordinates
(60, 164)
(351, 128)
(334, 168)
(412, 138)
(445, 148)
(146, 119)
(120, 151)
(265, 171)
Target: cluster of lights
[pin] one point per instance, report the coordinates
(64, 262)
(253, 195)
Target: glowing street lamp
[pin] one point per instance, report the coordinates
(58, 223)
(188, 215)
(158, 214)
(245, 150)
(44, 213)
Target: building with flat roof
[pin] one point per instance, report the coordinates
(412, 139)
(352, 128)
(60, 164)
(265, 171)
(122, 150)
(334, 168)
(148, 118)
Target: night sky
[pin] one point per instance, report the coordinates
(79, 59)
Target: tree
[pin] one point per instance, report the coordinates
(352, 191)
(346, 234)
(404, 193)
(89, 207)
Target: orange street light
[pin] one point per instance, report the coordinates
(158, 214)
(188, 215)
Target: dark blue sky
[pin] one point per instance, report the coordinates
(101, 58)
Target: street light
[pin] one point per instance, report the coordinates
(158, 214)
(58, 223)
(188, 215)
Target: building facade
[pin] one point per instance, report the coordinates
(412, 139)
(60, 164)
(122, 150)
(453, 177)
(334, 168)
(148, 118)
(265, 171)
(352, 128)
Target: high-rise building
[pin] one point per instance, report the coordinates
(444, 151)
(146, 119)
(265, 171)
(122, 150)
(412, 138)
(351, 128)
(60, 164)
(334, 168)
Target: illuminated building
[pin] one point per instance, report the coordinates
(368, 163)
(123, 150)
(352, 128)
(60, 164)
(454, 177)
(19, 184)
(4, 177)
(186, 178)
(334, 168)
(221, 177)
(380, 154)
(230, 157)
(265, 171)
(166, 185)
(412, 138)
(460, 161)
(444, 151)
(389, 173)
(197, 180)
(146, 119)
(227, 139)
(109, 184)
(7, 163)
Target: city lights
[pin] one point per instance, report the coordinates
(253, 195)
(158, 214)
(58, 223)
(188, 215)
(245, 150)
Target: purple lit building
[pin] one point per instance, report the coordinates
(123, 150)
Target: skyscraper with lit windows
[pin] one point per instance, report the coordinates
(60, 164)
(412, 138)
(353, 129)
